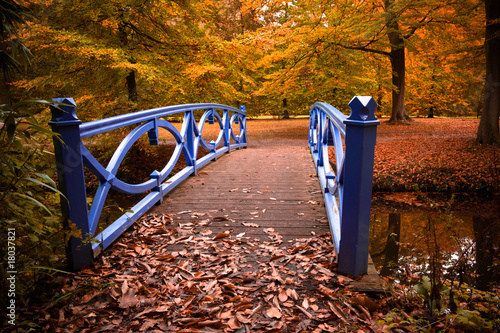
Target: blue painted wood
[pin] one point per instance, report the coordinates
(347, 189)
(72, 155)
(71, 178)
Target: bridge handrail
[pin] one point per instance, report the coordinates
(72, 155)
(108, 124)
(336, 116)
(347, 189)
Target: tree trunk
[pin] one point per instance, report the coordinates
(132, 87)
(398, 65)
(285, 109)
(431, 112)
(488, 131)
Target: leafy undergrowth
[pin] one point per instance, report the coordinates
(164, 277)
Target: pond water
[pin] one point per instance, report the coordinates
(456, 239)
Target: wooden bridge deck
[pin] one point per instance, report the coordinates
(253, 190)
(268, 187)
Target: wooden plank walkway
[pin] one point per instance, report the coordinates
(262, 191)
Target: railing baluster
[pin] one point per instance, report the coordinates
(227, 129)
(189, 137)
(71, 178)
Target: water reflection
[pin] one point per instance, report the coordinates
(404, 247)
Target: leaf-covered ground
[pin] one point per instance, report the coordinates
(434, 155)
(212, 283)
(427, 155)
(162, 277)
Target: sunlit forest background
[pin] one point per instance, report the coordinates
(121, 56)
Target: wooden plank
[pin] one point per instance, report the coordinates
(252, 190)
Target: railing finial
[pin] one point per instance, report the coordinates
(362, 108)
(64, 109)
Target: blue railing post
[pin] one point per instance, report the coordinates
(70, 174)
(227, 129)
(243, 123)
(360, 137)
(190, 139)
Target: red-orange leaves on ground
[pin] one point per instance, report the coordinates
(431, 155)
(191, 282)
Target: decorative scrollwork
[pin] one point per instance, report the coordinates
(326, 128)
(72, 155)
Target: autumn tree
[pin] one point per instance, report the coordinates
(13, 52)
(488, 131)
(317, 40)
(297, 65)
(445, 63)
(120, 56)
(400, 21)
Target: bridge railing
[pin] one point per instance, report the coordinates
(346, 179)
(72, 155)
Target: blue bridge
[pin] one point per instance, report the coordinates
(342, 149)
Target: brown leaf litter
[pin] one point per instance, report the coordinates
(162, 277)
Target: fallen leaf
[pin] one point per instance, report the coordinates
(273, 312)
(128, 299)
(305, 304)
(304, 311)
(234, 324)
(365, 302)
(282, 295)
(242, 319)
(293, 294)
(149, 323)
(251, 225)
(220, 218)
(337, 312)
(226, 315)
(221, 235)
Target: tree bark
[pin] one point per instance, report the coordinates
(285, 109)
(132, 86)
(488, 131)
(398, 65)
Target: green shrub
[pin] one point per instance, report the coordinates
(30, 220)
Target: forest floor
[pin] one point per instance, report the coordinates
(139, 287)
